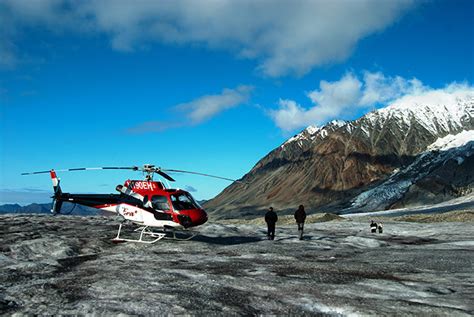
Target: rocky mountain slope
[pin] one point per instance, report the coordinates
(326, 168)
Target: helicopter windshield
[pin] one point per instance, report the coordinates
(160, 202)
(183, 201)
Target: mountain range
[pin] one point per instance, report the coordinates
(67, 208)
(408, 153)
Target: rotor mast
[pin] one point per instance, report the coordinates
(149, 170)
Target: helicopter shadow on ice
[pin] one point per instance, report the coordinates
(241, 239)
(232, 240)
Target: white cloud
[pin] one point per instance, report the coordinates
(289, 116)
(206, 107)
(284, 36)
(153, 126)
(446, 96)
(379, 88)
(199, 110)
(328, 102)
(340, 99)
(332, 95)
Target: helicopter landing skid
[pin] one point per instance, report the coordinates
(143, 231)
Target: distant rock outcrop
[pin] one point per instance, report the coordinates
(330, 166)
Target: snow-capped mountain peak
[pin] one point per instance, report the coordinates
(437, 111)
(306, 134)
(312, 132)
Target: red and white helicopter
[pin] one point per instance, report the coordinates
(147, 203)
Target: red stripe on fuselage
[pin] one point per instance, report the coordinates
(105, 206)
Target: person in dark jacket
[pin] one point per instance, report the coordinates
(380, 227)
(271, 219)
(300, 217)
(373, 227)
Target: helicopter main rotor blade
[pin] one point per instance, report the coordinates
(31, 173)
(133, 168)
(163, 174)
(201, 174)
(149, 169)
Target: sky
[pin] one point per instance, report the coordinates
(206, 86)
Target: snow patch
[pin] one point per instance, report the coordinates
(337, 123)
(307, 134)
(388, 191)
(451, 141)
(309, 304)
(361, 242)
(312, 129)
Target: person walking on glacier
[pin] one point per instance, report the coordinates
(373, 226)
(271, 219)
(300, 217)
(380, 227)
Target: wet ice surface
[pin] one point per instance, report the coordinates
(68, 265)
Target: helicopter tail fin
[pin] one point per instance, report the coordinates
(57, 203)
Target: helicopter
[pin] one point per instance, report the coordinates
(154, 207)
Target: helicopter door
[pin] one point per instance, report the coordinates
(160, 203)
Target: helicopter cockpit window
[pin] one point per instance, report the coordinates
(160, 202)
(183, 201)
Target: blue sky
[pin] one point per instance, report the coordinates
(204, 86)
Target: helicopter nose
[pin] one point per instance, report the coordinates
(199, 217)
(203, 216)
